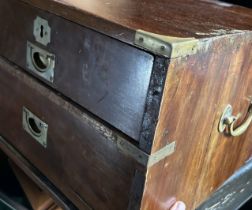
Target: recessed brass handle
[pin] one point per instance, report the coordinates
(35, 127)
(228, 121)
(40, 62)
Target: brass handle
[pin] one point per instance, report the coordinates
(35, 127)
(41, 62)
(228, 121)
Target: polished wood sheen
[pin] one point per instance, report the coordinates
(100, 73)
(121, 18)
(81, 158)
(162, 98)
(197, 90)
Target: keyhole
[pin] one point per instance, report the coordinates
(41, 31)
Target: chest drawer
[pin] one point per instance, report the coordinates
(77, 153)
(107, 77)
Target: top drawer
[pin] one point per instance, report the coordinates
(107, 77)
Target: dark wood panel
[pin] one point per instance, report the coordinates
(153, 102)
(107, 77)
(82, 157)
(197, 90)
(179, 18)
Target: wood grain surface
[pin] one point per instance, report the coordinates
(121, 18)
(82, 158)
(197, 90)
(105, 76)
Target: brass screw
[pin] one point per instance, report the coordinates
(162, 48)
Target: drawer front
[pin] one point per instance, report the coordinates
(80, 156)
(107, 77)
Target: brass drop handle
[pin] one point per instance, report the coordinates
(228, 121)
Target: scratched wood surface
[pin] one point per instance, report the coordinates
(198, 88)
(97, 72)
(121, 18)
(81, 158)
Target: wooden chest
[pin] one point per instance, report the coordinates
(125, 104)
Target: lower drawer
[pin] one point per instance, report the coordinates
(79, 154)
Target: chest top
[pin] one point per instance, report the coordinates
(177, 18)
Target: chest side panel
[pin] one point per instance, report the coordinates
(198, 88)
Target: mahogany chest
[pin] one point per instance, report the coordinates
(125, 104)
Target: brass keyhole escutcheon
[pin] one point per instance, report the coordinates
(42, 31)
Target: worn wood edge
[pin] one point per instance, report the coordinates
(123, 145)
(236, 191)
(36, 176)
(178, 47)
(153, 102)
(95, 22)
(139, 181)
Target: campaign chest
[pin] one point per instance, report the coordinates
(126, 104)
